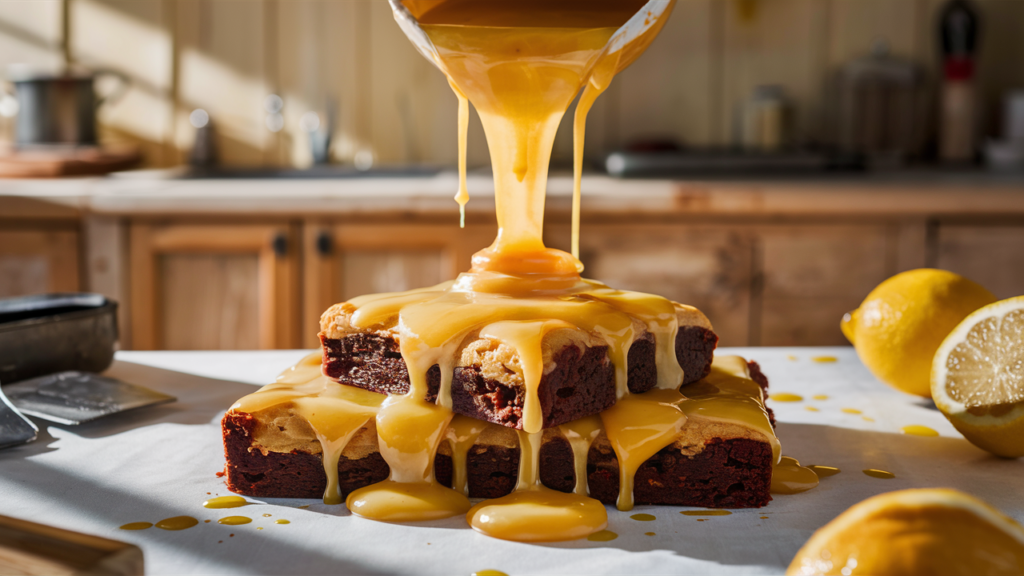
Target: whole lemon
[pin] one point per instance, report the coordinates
(902, 322)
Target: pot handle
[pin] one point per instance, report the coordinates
(122, 88)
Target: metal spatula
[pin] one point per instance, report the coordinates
(74, 397)
(15, 428)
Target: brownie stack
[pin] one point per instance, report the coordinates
(273, 454)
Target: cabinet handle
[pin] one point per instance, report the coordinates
(324, 243)
(280, 245)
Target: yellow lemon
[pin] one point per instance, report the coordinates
(913, 532)
(903, 320)
(978, 378)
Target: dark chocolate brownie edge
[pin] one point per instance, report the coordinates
(695, 349)
(732, 473)
(293, 475)
(758, 376)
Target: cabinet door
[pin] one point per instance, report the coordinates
(992, 256)
(214, 286)
(343, 261)
(36, 261)
(706, 266)
(812, 275)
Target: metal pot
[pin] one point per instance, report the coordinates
(60, 109)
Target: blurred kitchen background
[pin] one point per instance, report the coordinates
(769, 161)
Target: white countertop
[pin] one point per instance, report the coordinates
(162, 462)
(911, 193)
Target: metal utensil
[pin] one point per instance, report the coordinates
(59, 109)
(73, 397)
(15, 428)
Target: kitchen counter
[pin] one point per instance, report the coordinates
(162, 462)
(897, 193)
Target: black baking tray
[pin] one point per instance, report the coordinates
(50, 333)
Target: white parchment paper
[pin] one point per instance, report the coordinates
(162, 462)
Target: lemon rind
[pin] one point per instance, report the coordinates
(913, 498)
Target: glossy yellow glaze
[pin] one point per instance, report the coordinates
(727, 394)
(177, 523)
(225, 502)
(533, 512)
(581, 434)
(881, 474)
(638, 426)
(462, 435)
(824, 471)
(789, 477)
(918, 430)
(786, 397)
(706, 513)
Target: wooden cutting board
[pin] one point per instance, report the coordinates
(31, 549)
(54, 163)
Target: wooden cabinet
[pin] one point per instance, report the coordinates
(707, 266)
(347, 260)
(759, 284)
(38, 259)
(811, 275)
(993, 256)
(197, 286)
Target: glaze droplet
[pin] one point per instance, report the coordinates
(918, 430)
(879, 474)
(824, 471)
(786, 397)
(225, 502)
(602, 536)
(177, 523)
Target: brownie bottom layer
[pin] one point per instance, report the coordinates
(733, 473)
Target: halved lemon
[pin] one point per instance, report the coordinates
(978, 377)
(932, 531)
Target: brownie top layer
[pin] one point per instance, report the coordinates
(495, 359)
